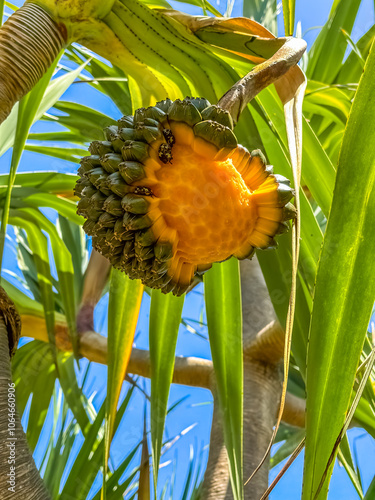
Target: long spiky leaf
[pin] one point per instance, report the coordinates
(344, 290)
(125, 297)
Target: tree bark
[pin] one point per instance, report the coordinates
(19, 477)
(30, 40)
(262, 390)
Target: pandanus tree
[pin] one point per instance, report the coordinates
(169, 196)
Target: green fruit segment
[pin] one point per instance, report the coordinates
(184, 111)
(107, 220)
(218, 115)
(117, 185)
(110, 132)
(145, 238)
(136, 151)
(81, 184)
(163, 251)
(126, 122)
(110, 162)
(134, 222)
(135, 204)
(199, 102)
(100, 148)
(164, 105)
(97, 200)
(217, 134)
(147, 131)
(112, 205)
(132, 171)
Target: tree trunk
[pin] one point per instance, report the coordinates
(262, 389)
(19, 477)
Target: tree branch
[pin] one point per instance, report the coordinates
(95, 279)
(267, 345)
(195, 372)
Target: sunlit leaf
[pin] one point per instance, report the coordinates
(344, 291)
(289, 7)
(165, 318)
(328, 50)
(224, 319)
(125, 297)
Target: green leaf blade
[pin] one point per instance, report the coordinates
(165, 318)
(224, 319)
(125, 297)
(289, 7)
(345, 289)
(328, 50)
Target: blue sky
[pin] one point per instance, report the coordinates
(197, 408)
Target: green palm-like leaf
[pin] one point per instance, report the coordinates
(165, 318)
(224, 319)
(345, 290)
(15, 129)
(289, 7)
(63, 262)
(39, 247)
(26, 111)
(125, 297)
(352, 68)
(262, 11)
(327, 53)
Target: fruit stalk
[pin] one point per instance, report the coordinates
(266, 73)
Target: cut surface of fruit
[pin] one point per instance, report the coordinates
(170, 192)
(191, 199)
